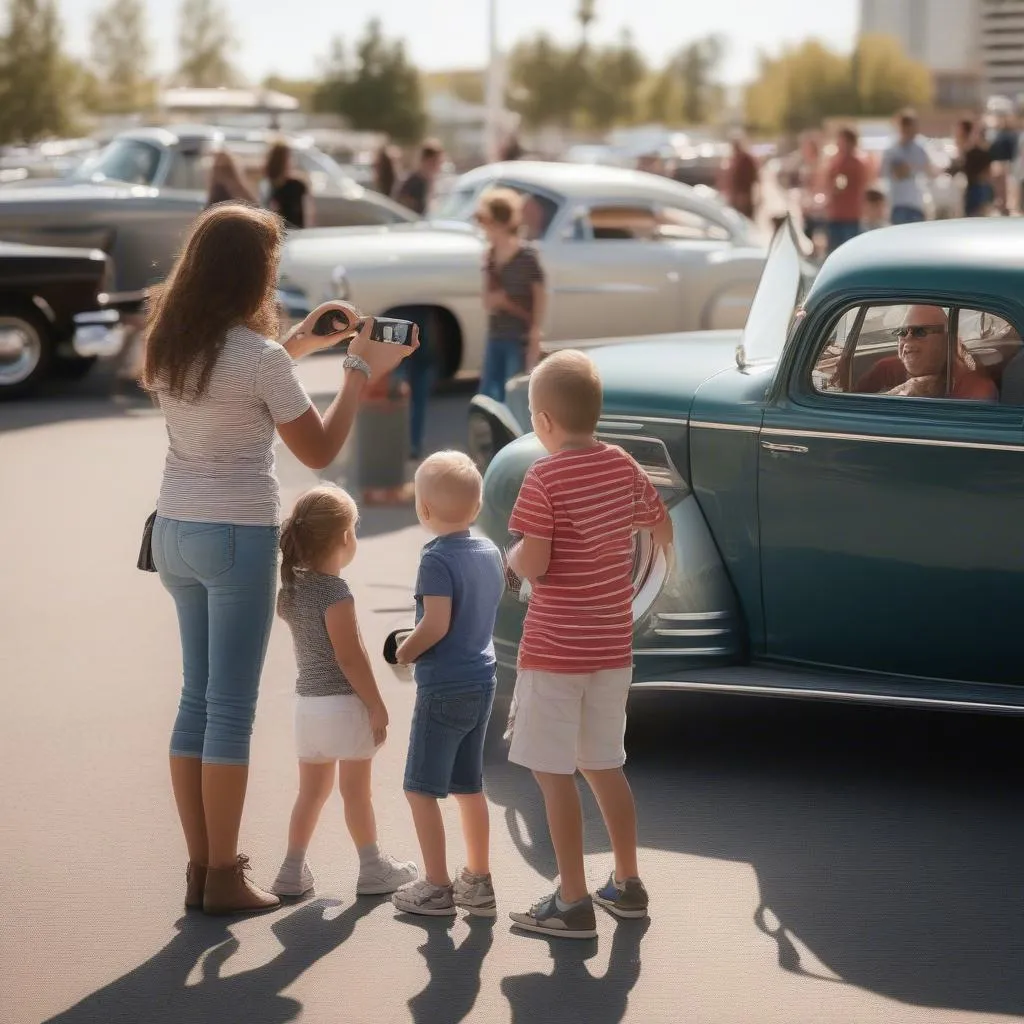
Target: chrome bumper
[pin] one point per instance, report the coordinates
(100, 333)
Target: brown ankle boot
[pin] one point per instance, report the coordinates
(228, 891)
(195, 884)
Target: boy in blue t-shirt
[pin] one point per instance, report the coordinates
(460, 582)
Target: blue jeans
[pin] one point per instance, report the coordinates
(223, 580)
(906, 215)
(504, 359)
(420, 369)
(446, 741)
(841, 231)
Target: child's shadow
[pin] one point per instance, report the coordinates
(579, 996)
(454, 983)
(157, 991)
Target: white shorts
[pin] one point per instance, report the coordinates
(562, 722)
(333, 728)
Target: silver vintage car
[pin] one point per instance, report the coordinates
(136, 198)
(625, 252)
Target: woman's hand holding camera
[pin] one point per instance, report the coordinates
(381, 357)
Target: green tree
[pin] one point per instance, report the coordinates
(302, 89)
(34, 101)
(886, 79)
(615, 75)
(537, 71)
(698, 65)
(205, 39)
(121, 56)
(379, 91)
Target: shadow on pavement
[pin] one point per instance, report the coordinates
(157, 991)
(580, 997)
(454, 970)
(886, 844)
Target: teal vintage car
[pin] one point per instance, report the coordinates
(846, 479)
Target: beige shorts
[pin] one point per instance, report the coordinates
(333, 728)
(562, 722)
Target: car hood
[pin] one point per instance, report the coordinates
(659, 374)
(388, 244)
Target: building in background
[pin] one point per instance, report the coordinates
(1002, 47)
(943, 34)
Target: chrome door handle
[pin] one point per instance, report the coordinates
(790, 449)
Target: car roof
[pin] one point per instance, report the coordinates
(173, 133)
(582, 180)
(979, 256)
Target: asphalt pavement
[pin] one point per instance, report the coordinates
(807, 863)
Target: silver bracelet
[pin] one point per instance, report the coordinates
(357, 363)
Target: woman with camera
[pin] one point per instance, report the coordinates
(224, 388)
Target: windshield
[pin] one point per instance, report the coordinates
(459, 204)
(784, 282)
(129, 160)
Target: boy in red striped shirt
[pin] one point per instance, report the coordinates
(577, 512)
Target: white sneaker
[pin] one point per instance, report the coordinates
(385, 875)
(475, 894)
(293, 881)
(426, 899)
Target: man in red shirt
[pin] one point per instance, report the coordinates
(577, 512)
(846, 186)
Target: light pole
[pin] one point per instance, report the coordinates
(495, 86)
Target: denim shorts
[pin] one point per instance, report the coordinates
(446, 743)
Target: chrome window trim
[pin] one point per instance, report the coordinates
(890, 439)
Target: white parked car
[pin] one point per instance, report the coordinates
(626, 253)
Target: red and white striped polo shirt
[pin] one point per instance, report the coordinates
(588, 502)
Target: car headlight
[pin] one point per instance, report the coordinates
(340, 288)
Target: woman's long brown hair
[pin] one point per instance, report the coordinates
(225, 277)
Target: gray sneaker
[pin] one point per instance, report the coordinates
(475, 894)
(385, 875)
(575, 922)
(424, 898)
(293, 880)
(623, 899)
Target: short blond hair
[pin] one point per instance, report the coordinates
(567, 386)
(451, 485)
(504, 206)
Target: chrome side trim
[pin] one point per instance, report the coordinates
(618, 425)
(654, 419)
(888, 439)
(695, 616)
(675, 477)
(606, 289)
(692, 631)
(680, 652)
(746, 428)
(845, 696)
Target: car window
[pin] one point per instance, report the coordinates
(128, 160)
(189, 170)
(458, 204)
(908, 350)
(539, 210)
(617, 223)
(676, 222)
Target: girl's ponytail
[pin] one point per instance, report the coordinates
(319, 521)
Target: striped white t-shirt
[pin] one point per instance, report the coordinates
(220, 464)
(588, 502)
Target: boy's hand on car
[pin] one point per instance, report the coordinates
(379, 724)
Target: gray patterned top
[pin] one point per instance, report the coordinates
(302, 606)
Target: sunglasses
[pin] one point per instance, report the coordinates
(918, 331)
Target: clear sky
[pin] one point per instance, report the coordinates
(290, 37)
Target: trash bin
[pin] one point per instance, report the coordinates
(382, 443)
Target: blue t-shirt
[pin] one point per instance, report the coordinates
(469, 570)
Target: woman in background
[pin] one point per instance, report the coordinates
(385, 173)
(227, 185)
(289, 195)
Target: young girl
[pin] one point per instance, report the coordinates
(340, 717)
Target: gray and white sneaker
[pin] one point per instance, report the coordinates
(293, 880)
(425, 898)
(475, 894)
(577, 921)
(385, 875)
(626, 899)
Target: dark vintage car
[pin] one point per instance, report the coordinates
(57, 314)
(846, 483)
(136, 198)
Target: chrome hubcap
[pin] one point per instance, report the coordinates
(20, 350)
